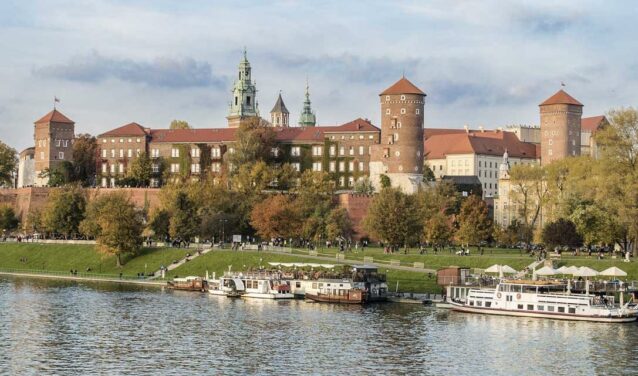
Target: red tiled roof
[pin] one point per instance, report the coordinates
(591, 124)
(361, 125)
(561, 97)
(131, 129)
(193, 135)
(429, 132)
(485, 143)
(55, 116)
(403, 86)
(318, 133)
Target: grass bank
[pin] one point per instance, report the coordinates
(65, 257)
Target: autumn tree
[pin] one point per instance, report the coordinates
(140, 170)
(184, 218)
(364, 186)
(179, 124)
(437, 206)
(84, 159)
(64, 211)
(338, 224)
(116, 225)
(475, 225)
(8, 163)
(253, 142)
(159, 223)
(393, 218)
(276, 216)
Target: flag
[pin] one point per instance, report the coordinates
(56, 99)
(562, 84)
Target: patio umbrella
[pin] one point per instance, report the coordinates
(613, 272)
(562, 270)
(586, 272)
(570, 270)
(508, 269)
(496, 268)
(545, 270)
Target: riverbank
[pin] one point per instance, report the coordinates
(95, 278)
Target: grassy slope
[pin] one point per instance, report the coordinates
(62, 258)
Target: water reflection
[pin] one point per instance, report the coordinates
(51, 327)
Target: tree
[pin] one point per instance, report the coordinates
(179, 124)
(116, 225)
(64, 211)
(561, 233)
(253, 142)
(8, 219)
(184, 221)
(140, 170)
(276, 216)
(59, 175)
(393, 217)
(438, 229)
(428, 174)
(159, 223)
(364, 186)
(438, 205)
(84, 159)
(338, 224)
(33, 222)
(8, 163)
(385, 181)
(475, 225)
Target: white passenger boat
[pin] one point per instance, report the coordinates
(544, 299)
(261, 285)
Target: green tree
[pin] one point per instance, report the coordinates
(184, 221)
(393, 217)
(253, 142)
(64, 211)
(179, 124)
(159, 224)
(116, 225)
(59, 175)
(438, 230)
(8, 163)
(140, 170)
(475, 225)
(8, 219)
(385, 181)
(338, 224)
(363, 186)
(84, 159)
(561, 233)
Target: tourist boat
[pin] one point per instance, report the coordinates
(261, 285)
(545, 299)
(365, 285)
(190, 283)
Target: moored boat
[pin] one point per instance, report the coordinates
(363, 285)
(544, 299)
(261, 285)
(190, 283)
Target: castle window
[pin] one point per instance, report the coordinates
(296, 166)
(398, 124)
(58, 142)
(352, 137)
(103, 153)
(549, 152)
(130, 140)
(343, 137)
(215, 152)
(361, 137)
(235, 101)
(104, 168)
(248, 100)
(295, 151)
(122, 168)
(360, 150)
(174, 167)
(403, 111)
(112, 153)
(350, 181)
(396, 137)
(397, 153)
(155, 167)
(130, 153)
(112, 140)
(387, 97)
(121, 153)
(274, 152)
(342, 150)
(175, 152)
(342, 181)
(550, 141)
(403, 97)
(361, 166)
(104, 140)
(342, 166)
(138, 140)
(138, 152)
(316, 166)
(216, 167)
(154, 153)
(195, 153)
(231, 150)
(195, 168)
(317, 151)
(387, 111)
(351, 150)
(332, 166)
(112, 168)
(66, 143)
(333, 150)
(418, 111)
(351, 166)
(121, 140)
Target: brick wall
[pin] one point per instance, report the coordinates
(357, 206)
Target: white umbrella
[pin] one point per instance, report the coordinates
(613, 272)
(545, 270)
(585, 271)
(496, 268)
(570, 270)
(508, 269)
(562, 270)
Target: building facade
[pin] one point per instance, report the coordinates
(560, 127)
(54, 135)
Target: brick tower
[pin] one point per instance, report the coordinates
(53, 135)
(399, 155)
(560, 127)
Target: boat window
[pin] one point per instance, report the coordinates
(561, 309)
(327, 284)
(530, 307)
(471, 302)
(509, 298)
(550, 308)
(321, 285)
(540, 308)
(488, 304)
(341, 285)
(520, 306)
(298, 284)
(529, 289)
(572, 310)
(314, 285)
(479, 303)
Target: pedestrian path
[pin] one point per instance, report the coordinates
(158, 273)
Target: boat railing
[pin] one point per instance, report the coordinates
(252, 275)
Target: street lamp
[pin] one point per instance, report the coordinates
(223, 222)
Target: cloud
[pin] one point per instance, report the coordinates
(549, 21)
(160, 72)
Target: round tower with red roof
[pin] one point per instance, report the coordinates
(399, 155)
(560, 127)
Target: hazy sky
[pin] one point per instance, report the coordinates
(481, 63)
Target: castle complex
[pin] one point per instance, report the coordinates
(399, 150)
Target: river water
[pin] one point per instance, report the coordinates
(71, 328)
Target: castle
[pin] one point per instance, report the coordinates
(400, 149)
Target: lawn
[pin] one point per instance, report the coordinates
(63, 258)
(218, 261)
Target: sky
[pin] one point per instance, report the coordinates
(481, 63)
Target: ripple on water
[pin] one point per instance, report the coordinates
(73, 329)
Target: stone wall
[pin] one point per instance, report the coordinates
(357, 206)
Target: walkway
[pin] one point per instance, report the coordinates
(158, 273)
(84, 278)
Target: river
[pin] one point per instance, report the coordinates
(70, 328)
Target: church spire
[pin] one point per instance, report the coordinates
(307, 118)
(244, 101)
